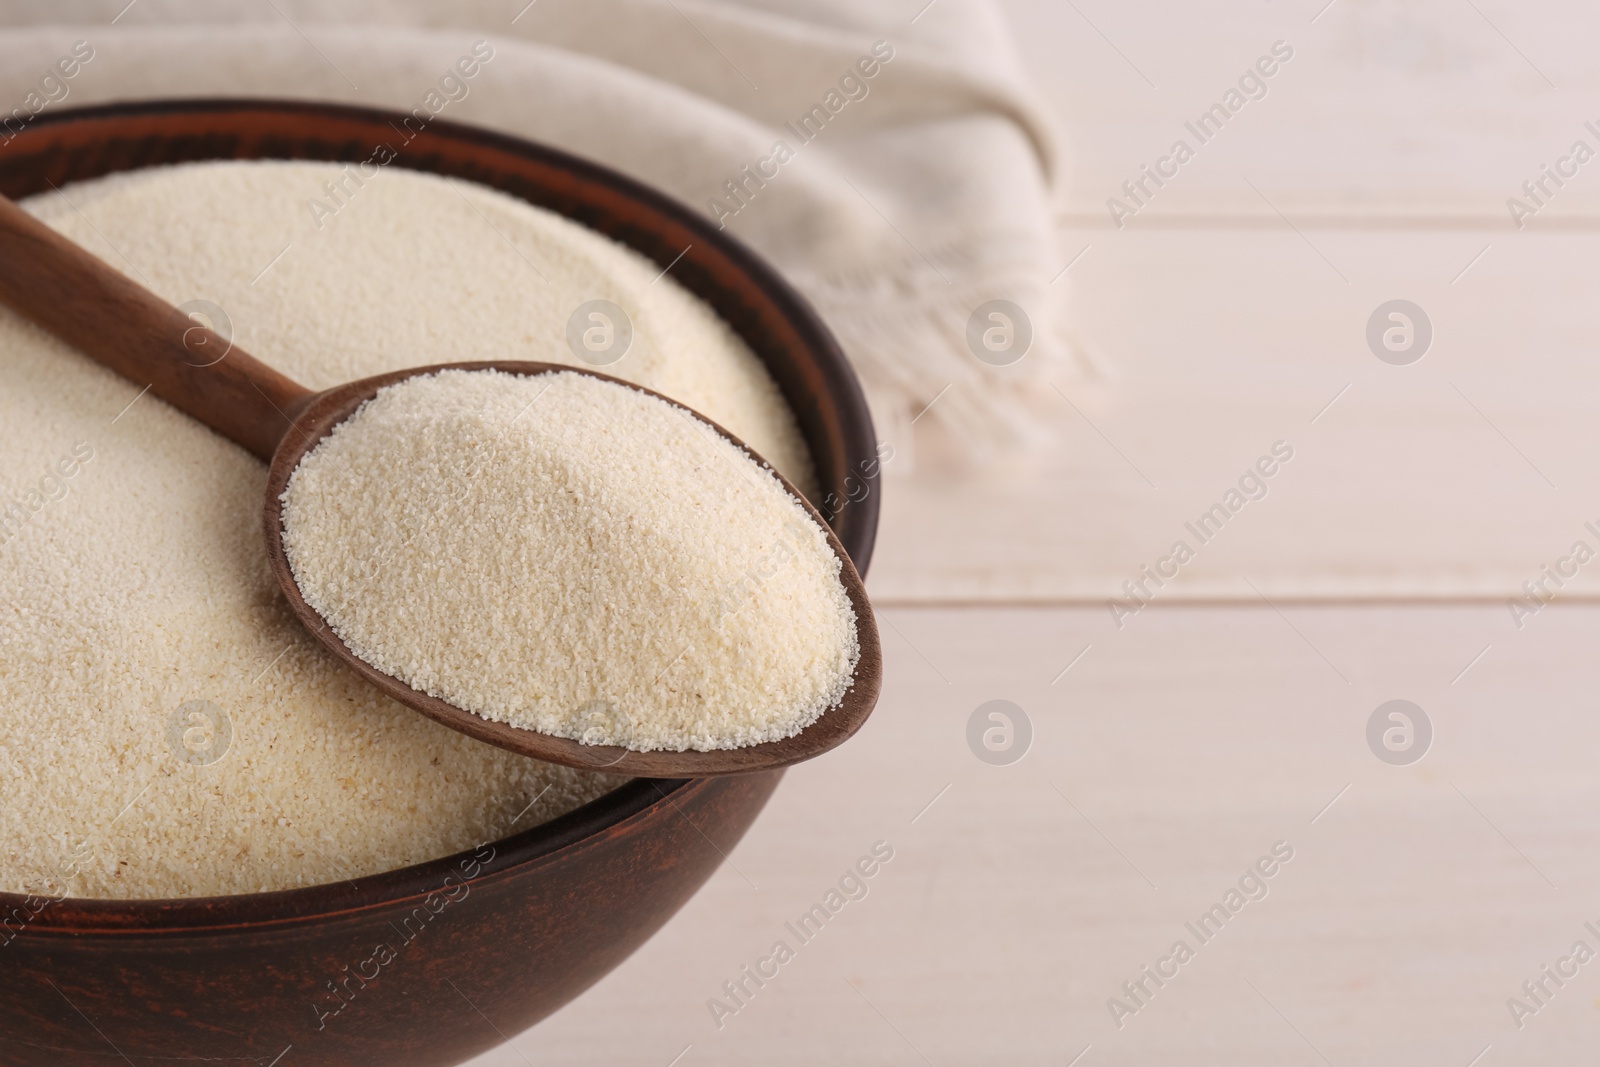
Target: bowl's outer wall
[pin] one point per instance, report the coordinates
(96, 982)
(467, 963)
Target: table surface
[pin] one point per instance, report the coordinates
(1169, 756)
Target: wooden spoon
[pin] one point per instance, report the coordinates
(113, 320)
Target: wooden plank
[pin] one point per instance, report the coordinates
(1460, 475)
(1387, 111)
(1163, 764)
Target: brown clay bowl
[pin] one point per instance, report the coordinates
(483, 943)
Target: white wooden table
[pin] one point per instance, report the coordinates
(1169, 756)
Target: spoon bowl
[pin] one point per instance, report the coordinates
(120, 324)
(326, 410)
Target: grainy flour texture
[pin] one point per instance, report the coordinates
(572, 556)
(166, 728)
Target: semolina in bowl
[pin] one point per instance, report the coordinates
(294, 863)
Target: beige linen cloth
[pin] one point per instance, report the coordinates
(927, 192)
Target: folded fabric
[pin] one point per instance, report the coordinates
(886, 156)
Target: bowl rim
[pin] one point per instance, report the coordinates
(610, 814)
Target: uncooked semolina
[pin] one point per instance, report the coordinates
(572, 556)
(166, 727)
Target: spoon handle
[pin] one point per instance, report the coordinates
(122, 325)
